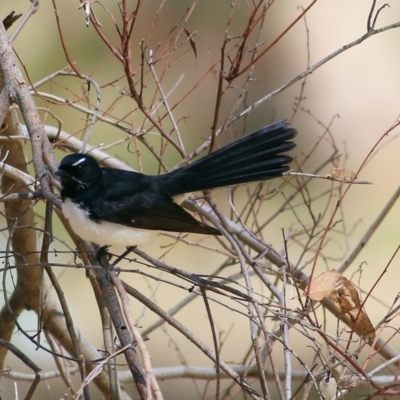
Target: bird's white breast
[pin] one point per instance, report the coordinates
(103, 233)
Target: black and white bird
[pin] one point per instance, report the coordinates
(116, 207)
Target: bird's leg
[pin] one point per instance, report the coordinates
(101, 253)
(102, 257)
(103, 260)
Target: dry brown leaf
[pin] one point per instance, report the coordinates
(344, 295)
(343, 174)
(322, 285)
(362, 324)
(335, 286)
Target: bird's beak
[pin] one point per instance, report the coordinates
(61, 172)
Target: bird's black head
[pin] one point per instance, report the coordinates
(78, 172)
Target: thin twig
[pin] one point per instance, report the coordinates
(328, 177)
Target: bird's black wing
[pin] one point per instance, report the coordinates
(158, 214)
(135, 200)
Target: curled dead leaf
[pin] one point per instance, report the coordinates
(335, 286)
(344, 295)
(362, 324)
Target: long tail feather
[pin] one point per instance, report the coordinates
(257, 156)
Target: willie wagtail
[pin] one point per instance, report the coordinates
(116, 207)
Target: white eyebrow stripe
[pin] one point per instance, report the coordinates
(79, 162)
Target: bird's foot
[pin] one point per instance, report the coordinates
(103, 257)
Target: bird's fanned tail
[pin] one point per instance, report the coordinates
(257, 156)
